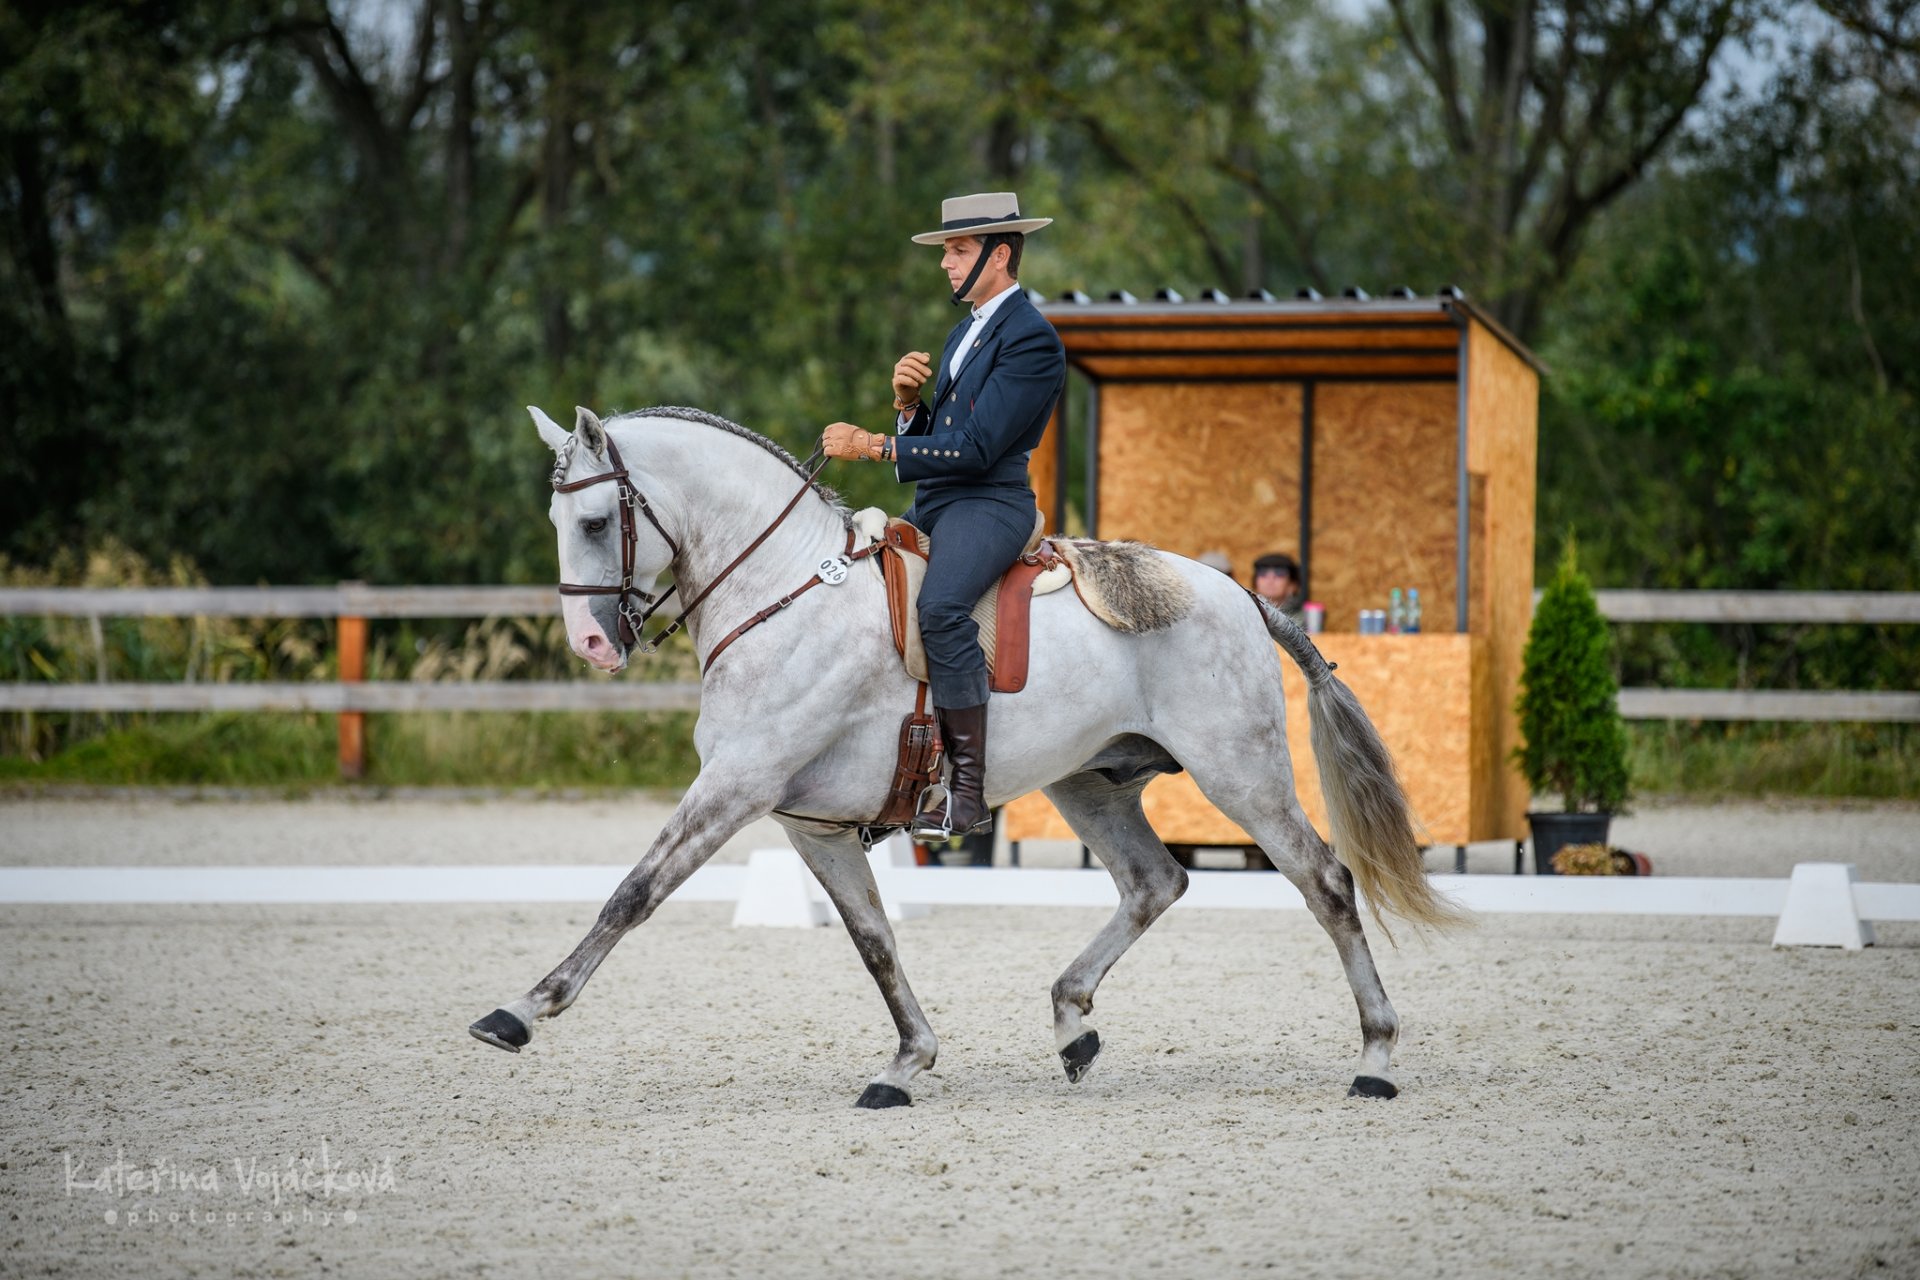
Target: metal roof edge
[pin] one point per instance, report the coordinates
(1498, 330)
(1279, 307)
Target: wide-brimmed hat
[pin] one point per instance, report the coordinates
(980, 215)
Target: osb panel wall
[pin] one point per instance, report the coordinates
(1385, 491)
(1487, 770)
(1202, 467)
(1418, 690)
(1043, 466)
(1503, 396)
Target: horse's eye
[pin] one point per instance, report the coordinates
(596, 526)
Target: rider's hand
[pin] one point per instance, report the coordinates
(914, 369)
(844, 440)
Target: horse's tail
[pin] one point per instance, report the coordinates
(1367, 810)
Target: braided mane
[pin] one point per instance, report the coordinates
(704, 418)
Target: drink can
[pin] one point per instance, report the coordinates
(1315, 615)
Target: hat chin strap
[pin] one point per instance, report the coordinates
(987, 245)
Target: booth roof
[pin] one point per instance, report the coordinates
(1214, 337)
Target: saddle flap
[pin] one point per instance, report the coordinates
(903, 566)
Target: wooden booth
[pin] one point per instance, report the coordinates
(1381, 442)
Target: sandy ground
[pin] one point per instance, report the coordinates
(1582, 1096)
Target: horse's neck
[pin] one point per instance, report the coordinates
(728, 491)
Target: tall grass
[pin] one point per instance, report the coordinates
(1878, 761)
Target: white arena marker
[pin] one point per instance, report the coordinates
(779, 893)
(1820, 909)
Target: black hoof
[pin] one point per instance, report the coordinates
(501, 1030)
(878, 1097)
(1078, 1057)
(1372, 1087)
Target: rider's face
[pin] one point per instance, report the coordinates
(961, 253)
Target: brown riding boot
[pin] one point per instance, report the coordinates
(963, 732)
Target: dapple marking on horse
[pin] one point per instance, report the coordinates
(799, 720)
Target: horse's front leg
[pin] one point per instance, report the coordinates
(841, 866)
(719, 803)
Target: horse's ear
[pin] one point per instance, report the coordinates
(587, 426)
(550, 431)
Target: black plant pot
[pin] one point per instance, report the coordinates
(1552, 832)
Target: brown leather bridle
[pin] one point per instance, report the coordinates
(632, 622)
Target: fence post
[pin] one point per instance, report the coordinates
(353, 670)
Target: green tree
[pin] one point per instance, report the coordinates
(1734, 400)
(1574, 743)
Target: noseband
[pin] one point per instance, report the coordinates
(632, 622)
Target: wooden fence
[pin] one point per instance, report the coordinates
(352, 697)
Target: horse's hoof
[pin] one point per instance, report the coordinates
(1078, 1057)
(878, 1097)
(501, 1030)
(1372, 1087)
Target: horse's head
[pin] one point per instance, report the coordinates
(596, 524)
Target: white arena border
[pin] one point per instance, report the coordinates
(1822, 904)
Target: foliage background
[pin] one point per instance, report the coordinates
(279, 275)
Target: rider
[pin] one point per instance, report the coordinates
(998, 379)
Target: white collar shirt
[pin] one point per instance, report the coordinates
(981, 314)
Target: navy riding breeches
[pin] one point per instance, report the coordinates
(975, 540)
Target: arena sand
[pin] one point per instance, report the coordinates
(1582, 1096)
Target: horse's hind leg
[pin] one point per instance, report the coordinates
(1107, 817)
(840, 864)
(1276, 823)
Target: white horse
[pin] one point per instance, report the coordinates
(801, 717)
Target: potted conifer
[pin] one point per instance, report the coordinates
(1574, 742)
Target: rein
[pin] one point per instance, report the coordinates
(632, 622)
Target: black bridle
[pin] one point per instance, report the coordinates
(632, 622)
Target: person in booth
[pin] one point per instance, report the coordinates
(994, 388)
(1276, 579)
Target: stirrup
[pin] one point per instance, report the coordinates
(945, 830)
(919, 826)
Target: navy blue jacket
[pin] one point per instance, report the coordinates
(972, 439)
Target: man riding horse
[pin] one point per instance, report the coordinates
(1000, 375)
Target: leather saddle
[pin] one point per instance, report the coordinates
(1003, 614)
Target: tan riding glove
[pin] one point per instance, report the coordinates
(844, 440)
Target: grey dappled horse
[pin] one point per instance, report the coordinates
(801, 717)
